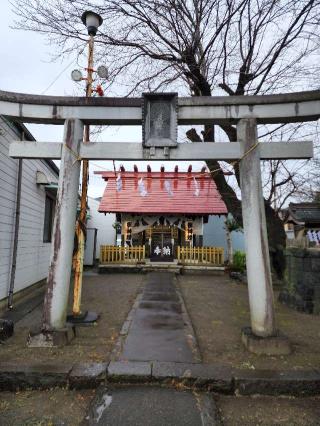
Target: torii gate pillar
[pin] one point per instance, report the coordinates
(263, 336)
(54, 331)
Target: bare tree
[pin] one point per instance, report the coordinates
(198, 47)
(285, 180)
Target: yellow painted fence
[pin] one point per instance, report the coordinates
(185, 255)
(117, 254)
(200, 255)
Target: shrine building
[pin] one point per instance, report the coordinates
(160, 215)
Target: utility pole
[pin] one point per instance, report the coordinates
(92, 21)
(82, 218)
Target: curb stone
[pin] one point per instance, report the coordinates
(33, 376)
(211, 377)
(189, 330)
(116, 351)
(88, 376)
(129, 371)
(271, 382)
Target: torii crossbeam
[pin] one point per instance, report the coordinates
(244, 111)
(184, 151)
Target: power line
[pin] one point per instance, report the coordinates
(64, 69)
(58, 76)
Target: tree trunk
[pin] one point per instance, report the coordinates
(276, 239)
(276, 233)
(229, 245)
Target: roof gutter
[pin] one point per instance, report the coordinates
(16, 234)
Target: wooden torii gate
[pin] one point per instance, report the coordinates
(243, 111)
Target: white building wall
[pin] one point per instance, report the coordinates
(33, 253)
(214, 234)
(103, 223)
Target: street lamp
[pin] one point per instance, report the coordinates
(92, 21)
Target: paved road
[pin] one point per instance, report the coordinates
(151, 406)
(158, 331)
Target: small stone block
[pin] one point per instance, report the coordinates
(170, 370)
(213, 377)
(6, 329)
(274, 345)
(33, 376)
(315, 264)
(131, 371)
(125, 328)
(53, 338)
(271, 382)
(87, 375)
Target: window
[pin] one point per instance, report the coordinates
(48, 218)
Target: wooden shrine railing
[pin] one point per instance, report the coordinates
(213, 256)
(200, 255)
(117, 254)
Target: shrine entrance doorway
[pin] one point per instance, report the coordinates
(162, 243)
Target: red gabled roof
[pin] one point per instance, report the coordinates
(182, 201)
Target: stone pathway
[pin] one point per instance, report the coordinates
(160, 329)
(152, 406)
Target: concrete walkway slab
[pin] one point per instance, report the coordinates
(151, 406)
(158, 330)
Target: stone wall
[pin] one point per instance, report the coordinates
(302, 280)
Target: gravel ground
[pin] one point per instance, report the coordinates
(55, 407)
(218, 308)
(269, 411)
(110, 295)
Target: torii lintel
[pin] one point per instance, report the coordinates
(135, 151)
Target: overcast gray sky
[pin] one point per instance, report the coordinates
(27, 67)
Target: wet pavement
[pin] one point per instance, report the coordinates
(158, 330)
(151, 406)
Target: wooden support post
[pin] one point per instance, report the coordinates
(82, 218)
(255, 231)
(58, 282)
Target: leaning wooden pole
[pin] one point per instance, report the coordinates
(81, 222)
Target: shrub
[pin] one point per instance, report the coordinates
(239, 260)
